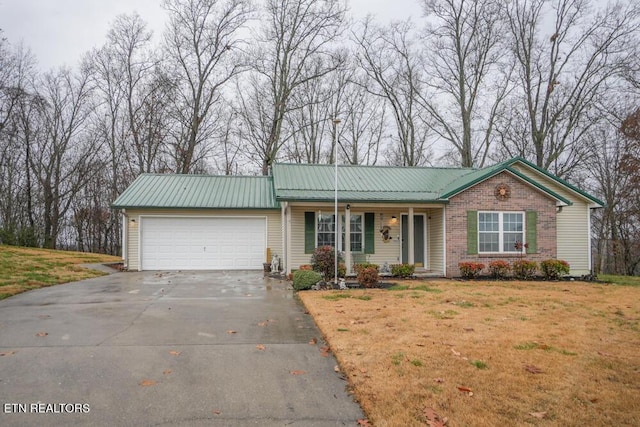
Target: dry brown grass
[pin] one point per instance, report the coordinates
(23, 269)
(405, 351)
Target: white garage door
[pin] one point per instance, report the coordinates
(183, 243)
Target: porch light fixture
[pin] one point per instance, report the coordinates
(394, 219)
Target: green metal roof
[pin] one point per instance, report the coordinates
(304, 182)
(479, 175)
(315, 183)
(198, 191)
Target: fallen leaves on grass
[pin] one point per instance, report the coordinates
(147, 383)
(455, 353)
(533, 369)
(438, 380)
(539, 415)
(297, 372)
(324, 351)
(364, 422)
(313, 341)
(433, 419)
(42, 334)
(466, 390)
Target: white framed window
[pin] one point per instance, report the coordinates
(356, 233)
(326, 230)
(500, 232)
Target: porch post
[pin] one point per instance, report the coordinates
(412, 243)
(347, 238)
(444, 241)
(286, 227)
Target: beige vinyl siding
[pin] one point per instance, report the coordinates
(132, 242)
(573, 242)
(435, 240)
(274, 236)
(388, 252)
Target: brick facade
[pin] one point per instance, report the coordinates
(482, 197)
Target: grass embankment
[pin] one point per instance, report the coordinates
(23, 269)
(488, 353)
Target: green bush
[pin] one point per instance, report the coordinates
(553, 269)
(323, 261)
(402, 270)
(342, 269)
(305, 279)
(499, 269)
(368, 276)
(524, 269)
(470, 269)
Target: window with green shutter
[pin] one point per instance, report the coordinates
(309, 232)
(369, 233)
(472, 232)
(532, 232)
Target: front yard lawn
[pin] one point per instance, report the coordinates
(23, 269)
(487, 353)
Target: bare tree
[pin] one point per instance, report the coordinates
(389, 56)
(467, 78)
(203, 40)
(560, 76)
(310, 142)
(362, 130)
(62, 158)
(17, 216)
(295, 46)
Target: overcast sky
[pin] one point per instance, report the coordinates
(58, 32)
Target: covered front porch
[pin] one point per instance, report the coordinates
(383, 234)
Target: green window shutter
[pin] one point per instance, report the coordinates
(309, 232)
(369, 233)
(532, 232)
(472, 232)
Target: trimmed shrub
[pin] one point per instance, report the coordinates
(470, 269)
(305, 279)
(524, 269)
(402, 270)
(368, 276)
(363, 265)
(553, 269)
(499, 269)
(342, 269)
(323, 261)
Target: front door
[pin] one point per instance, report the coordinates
(418, 239)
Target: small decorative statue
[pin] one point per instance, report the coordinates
(275, 263)
(385, 268)
(343, 285)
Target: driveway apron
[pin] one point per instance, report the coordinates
(167, 348)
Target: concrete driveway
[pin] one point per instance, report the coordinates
(167, 348)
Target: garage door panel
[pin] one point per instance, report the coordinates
(202, 243)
